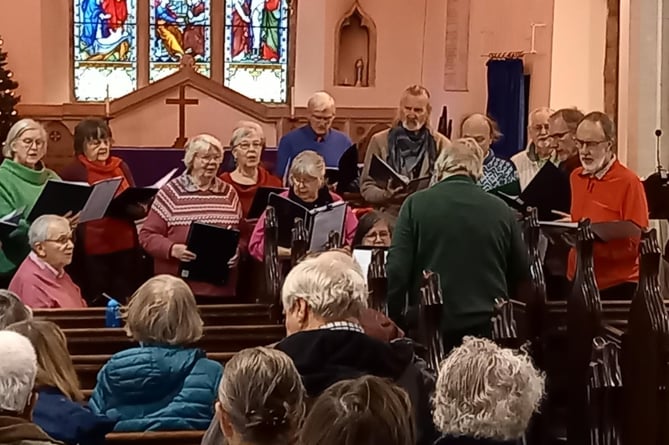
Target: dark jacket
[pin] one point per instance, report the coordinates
(471, 441)
(69, 422)
(17, 431)
(470, 238)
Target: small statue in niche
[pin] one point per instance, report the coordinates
(359, 67)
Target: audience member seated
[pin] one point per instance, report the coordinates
(485, 395)
(107, 254)
(469, 237)
(307, 188)
(12, 310)
(318, 135)
(60, 410)
(498, 173)
(321, 296)
(247, 143)
(261, 400)
(41, 281)
(197, 195)
(375, 229)
(22, 178)
(18, 369)
(165, 383)
(410, 147)
(367, 410)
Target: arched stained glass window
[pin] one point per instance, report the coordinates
(105, 48)
(256, 48)
(178, 28)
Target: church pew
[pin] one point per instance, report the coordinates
(212, 315)
(215, 339)
(155, 438)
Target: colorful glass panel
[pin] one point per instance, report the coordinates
(179, 28)
(256, 48)
(105, 48)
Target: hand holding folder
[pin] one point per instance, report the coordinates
(136, 196)
(387, 178)
(215, 249)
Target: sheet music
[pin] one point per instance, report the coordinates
(102, 194)
(325, 222)
(164, 180)
(364, 259)
(561, 224)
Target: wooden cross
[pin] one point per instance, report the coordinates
(180, 142)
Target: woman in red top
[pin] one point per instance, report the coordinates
(247, 143)
(108, 259)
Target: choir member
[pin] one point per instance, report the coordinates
(196, 195)
(12, 309)
(375, 229)
(41, 281)
(365, 410)
(22, 178)
(485, 395)
(309, 189)
(498, 173)
(602, 189)
(562, 137)
(60, 409)
(469, 237)
(164, 383)
(247, 143)
(261, 400)
(529, 161)
(318, 135)
(410, 147)
(18, 372)
(107, 255)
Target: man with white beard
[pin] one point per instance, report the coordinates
(605, 190)
(410, 147)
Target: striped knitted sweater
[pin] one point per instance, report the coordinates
(177, 204)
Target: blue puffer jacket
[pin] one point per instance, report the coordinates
(154, 388)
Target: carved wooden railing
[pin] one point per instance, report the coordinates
(377, 282)
(646, 355)
(603, 389)
(536, 297)
(273, 277)
(429, 316)
(504, 327)
(299, 243)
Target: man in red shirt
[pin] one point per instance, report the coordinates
(602, 189)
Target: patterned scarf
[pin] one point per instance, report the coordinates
(407, 149)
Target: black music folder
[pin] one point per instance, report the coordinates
(549, 190)
(382, 173)
(656, 187)
(318, 222)
(260, 200)
(604, 231)
(214, 246)
(10, 222)
(137, 195)
(59, 197)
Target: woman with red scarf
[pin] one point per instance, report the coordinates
(107, 256)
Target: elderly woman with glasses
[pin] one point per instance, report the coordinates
(109, 256)
(247, 143)
(309, 189)
(22, 178)
(197, 195)
(41, 281)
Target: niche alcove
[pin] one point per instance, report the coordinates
(355, 49)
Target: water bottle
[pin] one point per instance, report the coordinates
(113, 313)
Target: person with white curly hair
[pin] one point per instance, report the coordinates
(485, 395)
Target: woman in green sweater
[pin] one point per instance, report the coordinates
(22, 178)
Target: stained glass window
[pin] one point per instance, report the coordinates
(105, 48)
(179, 28)
(256, 48)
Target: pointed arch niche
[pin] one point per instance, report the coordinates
(355, 49)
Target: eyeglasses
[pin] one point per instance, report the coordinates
(96, 143)
(28, 142)
(539, 127)
(308, 180)
(557, 136)
(588, 144)
(209, 158)
(322, 118)
(247, 145)
(62, 240)
(381, 234)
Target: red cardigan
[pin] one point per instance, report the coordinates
(246, 193)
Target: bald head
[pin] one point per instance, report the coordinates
(480, 128)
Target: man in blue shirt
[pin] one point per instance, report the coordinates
(316, 135)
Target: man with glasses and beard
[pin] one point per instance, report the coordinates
(562, 137)
(410, 147)
(602, 189)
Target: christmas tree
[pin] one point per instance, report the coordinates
(8, 115)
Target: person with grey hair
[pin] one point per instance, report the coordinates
(22, 178)
(18, 371)
(247, 143)
(197, 195)
(470, 238)
(562, 137)
(12, 310)
(41, 281)
(318, 135)
(309, 189)
(539, 150)
(485, 395)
